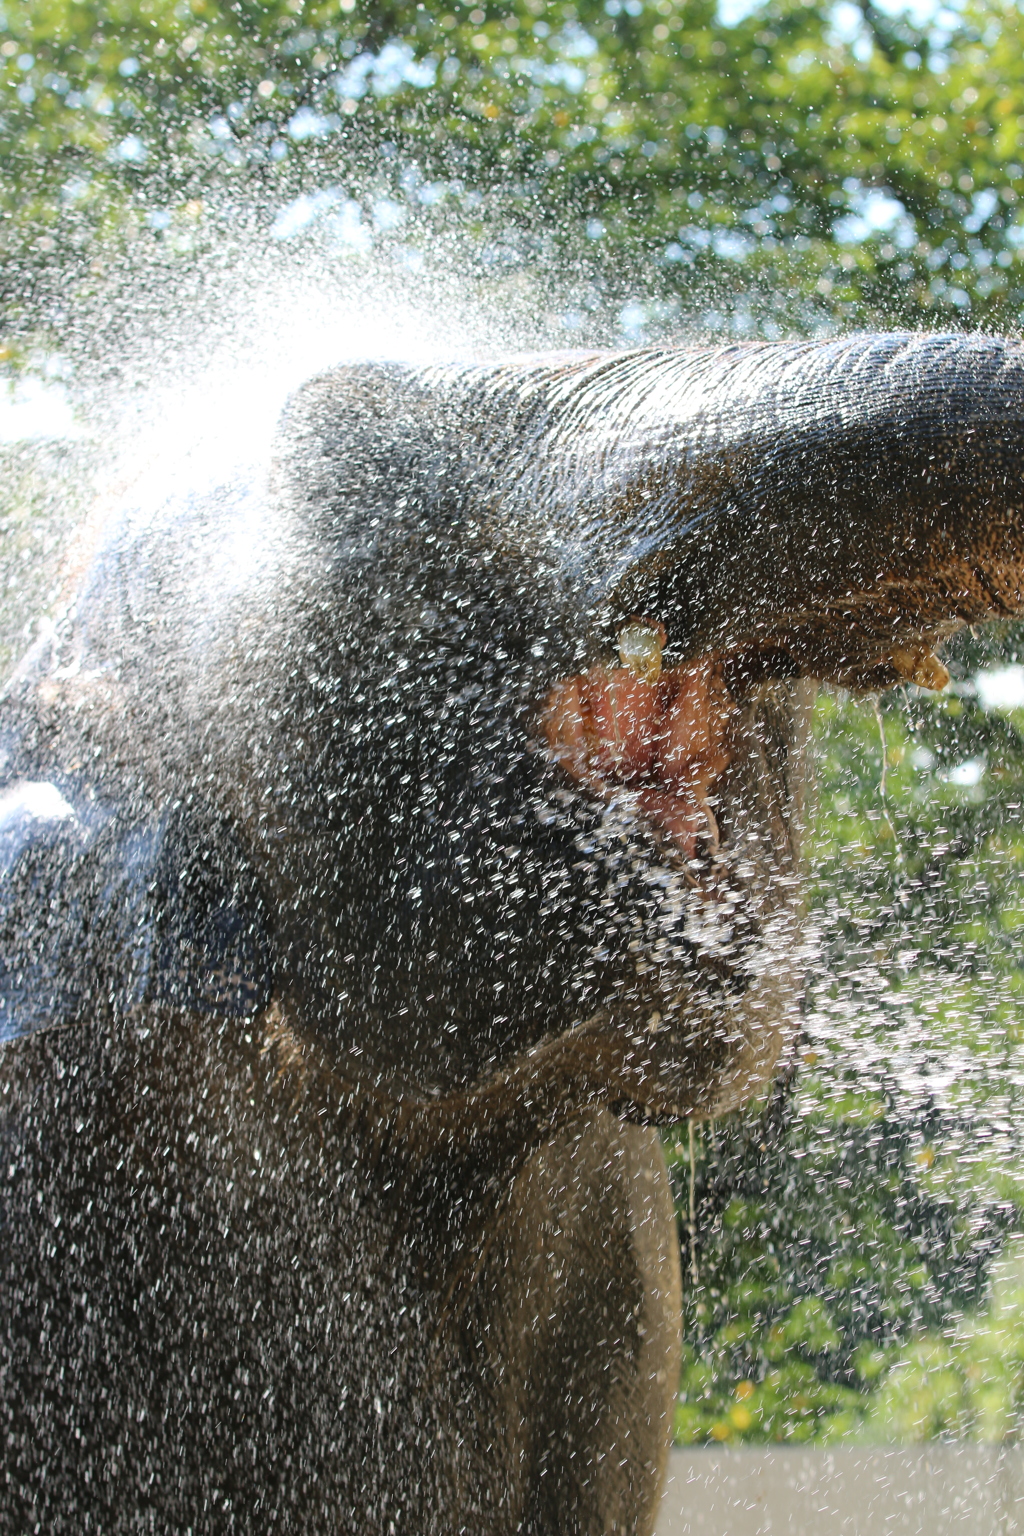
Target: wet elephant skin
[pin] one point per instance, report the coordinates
(365, 902)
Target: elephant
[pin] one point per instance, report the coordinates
(393, 838)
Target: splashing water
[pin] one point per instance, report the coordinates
(902, 1083)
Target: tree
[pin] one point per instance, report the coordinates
(847, 1226)
(805, 166)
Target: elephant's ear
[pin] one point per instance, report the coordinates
(101, 914)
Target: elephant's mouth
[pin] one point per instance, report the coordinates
(706, 756)
(656, 740)
(657, 735)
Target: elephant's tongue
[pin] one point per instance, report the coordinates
(659, 734)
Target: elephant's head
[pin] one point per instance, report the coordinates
(501, 689)
(566, 617)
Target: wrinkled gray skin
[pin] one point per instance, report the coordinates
(330, 1200)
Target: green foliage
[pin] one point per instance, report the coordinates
(833, 1247)
(965, 1382)
(845, 1229)
(793, 167)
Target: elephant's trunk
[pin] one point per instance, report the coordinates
(862, 499)
(838, 506)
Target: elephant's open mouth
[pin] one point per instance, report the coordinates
(656, 734)
(656, 740)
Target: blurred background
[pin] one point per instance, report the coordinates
(201, 201)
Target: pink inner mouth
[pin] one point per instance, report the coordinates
(663, 740)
